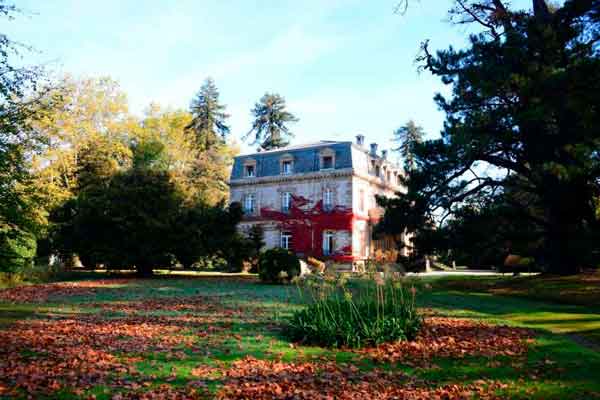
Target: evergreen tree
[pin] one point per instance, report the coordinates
(271, 118)
(407, 136)
(523, 118)
(209, 116)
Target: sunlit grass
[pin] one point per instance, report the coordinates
(568, 368)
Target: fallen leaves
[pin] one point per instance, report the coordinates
(255, 379)
(45, 292)
(453, 338)
(78, 352)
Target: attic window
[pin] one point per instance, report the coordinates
(286, 167)
(327, 158)
(286, 164)
(327, 162)
(250, 168)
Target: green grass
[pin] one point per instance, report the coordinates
(582, 289)
(248, 316)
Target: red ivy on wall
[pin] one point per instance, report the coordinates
(307, 225)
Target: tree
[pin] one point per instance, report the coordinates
(407, 136)
(20, 220)
(269, 128)
(211, 231)
(90, 112)
(209, 117)
(136, 216)
(126, 223)
(507, 130)
(256, 236)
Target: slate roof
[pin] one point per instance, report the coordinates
(306, 159)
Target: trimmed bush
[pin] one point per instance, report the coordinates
(375, 312)
(278, 265)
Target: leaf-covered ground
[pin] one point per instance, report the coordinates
(221, 338)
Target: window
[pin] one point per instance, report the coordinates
(250, 203)
(377, 170)
(361, 200)
(250, 171)
(389, 177)
(399, 180)
(286, 167)
(286, 201)
(328, 243)
(327, 162)
(328, 199)
(286, 240)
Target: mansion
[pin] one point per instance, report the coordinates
(317, 199)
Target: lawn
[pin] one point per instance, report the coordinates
(207, 337)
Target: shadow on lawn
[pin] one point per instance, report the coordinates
(555, 318)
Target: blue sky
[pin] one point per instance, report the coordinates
(344, 67)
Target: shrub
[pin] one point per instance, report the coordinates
(376, 311)
(278, 265)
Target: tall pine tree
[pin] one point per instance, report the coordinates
(271, 119)
(407, 136)
(209, 117)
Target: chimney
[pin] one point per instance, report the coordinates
(374, 149)
(360, 140)
(384, 154)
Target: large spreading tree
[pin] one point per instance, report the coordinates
(522, 130)
(270, 127)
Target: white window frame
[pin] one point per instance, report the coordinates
(286, 201)
(326, 153)
(250, 203)
(328, 243)
(323, 162)
(288, 163)
(361, 200)
(328, 199)
(285, 240)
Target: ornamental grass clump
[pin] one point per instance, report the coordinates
(363, 313)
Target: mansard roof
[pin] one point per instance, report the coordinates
(306, 158)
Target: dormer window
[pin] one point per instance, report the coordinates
(327, 158)
(286, 164)
(286, 167)
(327, 162)
(250, 168)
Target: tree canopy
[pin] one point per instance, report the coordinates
(20, 219)
(209, 122)
(270, 127)
(407, 136)
(522, 129)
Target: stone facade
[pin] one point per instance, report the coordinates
(316, 199)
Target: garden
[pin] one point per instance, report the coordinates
(234, 337)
